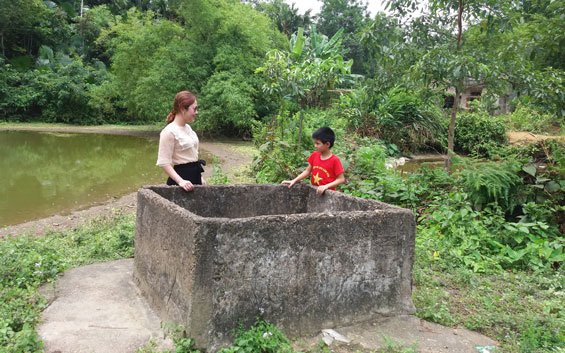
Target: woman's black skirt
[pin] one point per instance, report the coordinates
(189, 171)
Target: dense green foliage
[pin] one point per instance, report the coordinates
(127, 66)
(535, 120)
(350, 16)
(50, 91)
(261, 337)
(124, 61)
(303, 74)
(159, 66)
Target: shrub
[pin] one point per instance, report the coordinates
(454, 234)
(479, 134)
(18, 97)
(526, 118)
(280, 157)
(398, 116)
(64, 94)
(58, 92)
(228, 99)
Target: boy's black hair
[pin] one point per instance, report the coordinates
(324, 134)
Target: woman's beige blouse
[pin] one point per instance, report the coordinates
(177, 145)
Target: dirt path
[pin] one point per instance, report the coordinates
(233, 157)
(526, 137)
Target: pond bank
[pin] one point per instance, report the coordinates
(40, 227)
(129, 130)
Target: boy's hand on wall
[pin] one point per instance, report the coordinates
(290, 183)
(321, 189)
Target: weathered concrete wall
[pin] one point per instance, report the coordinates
(219, 253)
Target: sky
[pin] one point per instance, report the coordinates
(373, 7)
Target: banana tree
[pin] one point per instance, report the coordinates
(305, 72)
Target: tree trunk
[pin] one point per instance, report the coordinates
(300, 128)
(451, 132)
(459, 24)
(303, 101)
(458, 85)
(281, 115)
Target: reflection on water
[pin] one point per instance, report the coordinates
(42, 174)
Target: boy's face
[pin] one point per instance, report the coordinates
(321, 147)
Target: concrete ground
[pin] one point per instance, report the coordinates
(97, 308)
(407, 331)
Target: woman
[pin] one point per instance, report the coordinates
(178, 144)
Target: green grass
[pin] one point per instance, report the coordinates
(523, 311)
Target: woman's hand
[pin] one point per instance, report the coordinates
(203, 181)
(186, 185)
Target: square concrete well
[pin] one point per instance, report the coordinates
(207, 258)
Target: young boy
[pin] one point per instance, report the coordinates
(326, 168)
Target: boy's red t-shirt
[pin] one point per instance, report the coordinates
(324, 171)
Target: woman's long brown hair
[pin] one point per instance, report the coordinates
(183, 99)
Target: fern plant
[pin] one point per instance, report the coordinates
(488, 182)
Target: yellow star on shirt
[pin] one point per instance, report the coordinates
(317, 179)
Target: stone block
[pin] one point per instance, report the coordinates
(221, 253)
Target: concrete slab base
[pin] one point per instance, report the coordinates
(406, 330)
(97, 308)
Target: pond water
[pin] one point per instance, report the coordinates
(46, 173)
(428, 162)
